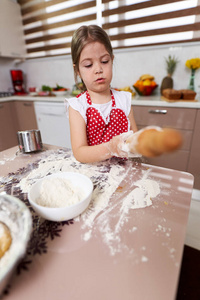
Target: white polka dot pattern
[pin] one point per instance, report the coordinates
(97, 130)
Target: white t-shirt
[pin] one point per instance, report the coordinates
(122, 101)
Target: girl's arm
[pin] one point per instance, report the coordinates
(89, 154)
(133, 125)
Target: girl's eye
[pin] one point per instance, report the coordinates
(88, 66)
(105, 61)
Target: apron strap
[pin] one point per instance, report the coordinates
(90, 102)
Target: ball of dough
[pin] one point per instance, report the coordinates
(5, 239)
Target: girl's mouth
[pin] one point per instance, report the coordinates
(100, 80)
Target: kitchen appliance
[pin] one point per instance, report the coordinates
(5, 94)
(29, 141)
(18, 82)
(53, 123)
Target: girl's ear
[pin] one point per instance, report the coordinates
(76, 71)
(75, 68)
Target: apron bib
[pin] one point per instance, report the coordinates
(100, 130)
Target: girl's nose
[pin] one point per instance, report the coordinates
(98, 69)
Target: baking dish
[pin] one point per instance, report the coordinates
(17, 217)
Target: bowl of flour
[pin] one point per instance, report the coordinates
(61, 196)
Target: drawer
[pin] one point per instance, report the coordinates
(179, 118)
(177, 160)
(186, 135)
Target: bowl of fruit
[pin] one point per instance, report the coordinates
(59, 90)
(145, 85)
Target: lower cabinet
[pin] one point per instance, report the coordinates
(24, 115)
(194, 159)
(8, 136)
(187, 121)
(15, 116)
(53, 123)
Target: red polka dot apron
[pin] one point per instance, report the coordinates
(100, 130)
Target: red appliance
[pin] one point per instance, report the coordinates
(18, 82)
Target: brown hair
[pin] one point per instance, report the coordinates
(83, 36)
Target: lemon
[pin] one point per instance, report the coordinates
(147, 82)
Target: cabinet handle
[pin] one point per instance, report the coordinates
(1, 105)
(158, 111)
(52, 114)
(27, 104)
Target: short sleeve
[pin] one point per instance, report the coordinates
(78, 104)
(123, 101)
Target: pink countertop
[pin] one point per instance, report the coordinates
(141, 260)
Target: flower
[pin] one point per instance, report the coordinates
(193, 63)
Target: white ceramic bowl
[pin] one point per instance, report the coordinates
(64, 213)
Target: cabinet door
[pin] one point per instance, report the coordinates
(194, 160)
(8, 133)
(12, 42)
(177, 160)
(24, 113)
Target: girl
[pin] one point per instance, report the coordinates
(98, 116)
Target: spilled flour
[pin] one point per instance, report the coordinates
(103, 214)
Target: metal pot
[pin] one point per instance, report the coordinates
(29, 140)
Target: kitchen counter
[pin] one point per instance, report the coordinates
(137, 100)
(33, 98)
(158, 101)
(124, 254)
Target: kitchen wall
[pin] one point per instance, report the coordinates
(6, 65)
(128, 66)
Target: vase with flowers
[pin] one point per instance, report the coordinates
(193, 64)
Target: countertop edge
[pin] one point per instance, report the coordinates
(136, 101)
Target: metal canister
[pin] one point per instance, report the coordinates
(30, 140)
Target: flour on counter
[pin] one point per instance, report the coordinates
(103, 215)
(2, 162)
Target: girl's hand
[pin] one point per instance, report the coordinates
(116, 145)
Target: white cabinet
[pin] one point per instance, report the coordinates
(53, 123)
(12, 42)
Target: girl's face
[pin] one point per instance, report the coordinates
(95, 67)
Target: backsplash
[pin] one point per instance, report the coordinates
(128, 66)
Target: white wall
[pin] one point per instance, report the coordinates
(129, 65)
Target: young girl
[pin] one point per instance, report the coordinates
(99, 115)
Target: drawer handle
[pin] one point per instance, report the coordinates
(158, 111)
(52, 114)
(27, 104)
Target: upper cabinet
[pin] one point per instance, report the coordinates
(12, 42)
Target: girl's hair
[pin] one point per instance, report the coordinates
(83, 36)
